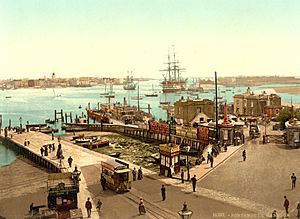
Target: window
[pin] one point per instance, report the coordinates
(175, 159)
(296, 137)
(225, 133)
(167, 161)
(163, 159)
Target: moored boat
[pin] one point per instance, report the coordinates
(173, 82)
(49, 121)
(129, 84)
(115, 154)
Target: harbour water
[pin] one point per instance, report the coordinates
(7, 156)
(36, 105)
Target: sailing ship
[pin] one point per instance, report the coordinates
(56, 95)
(195, 88)
(153, 94)
(129, 84)
(165, 102)
(138, 97)
(105, 91)
(111, 93)
(173, 82)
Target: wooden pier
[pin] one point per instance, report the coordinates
(30, 153)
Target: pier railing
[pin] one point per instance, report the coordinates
(31, 155)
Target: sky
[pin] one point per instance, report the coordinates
(107, 38)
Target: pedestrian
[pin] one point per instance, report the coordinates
(163, 192)
(42, 151)
(88, 206)
(182, 176)
(274, 215)
(140, 174)
(70, 160)
(298, 208)
(52, 135)
(103, 182)
(46, 151)
(211, 161)
(134, 174)
(99, 204)
(225, 147)
(194, 180)
(293, 178)
(286, 204)
(244, 155)
(208, 157)
(142, 209)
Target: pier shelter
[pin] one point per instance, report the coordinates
(169, 159)
(293, 133)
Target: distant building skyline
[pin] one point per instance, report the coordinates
(100, 38)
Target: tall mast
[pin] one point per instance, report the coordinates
(138, 95)
(169, 66)
(174, 64)
(217, 121)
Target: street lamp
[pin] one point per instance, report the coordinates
(187, 162)
(20, 124)
(185, 213)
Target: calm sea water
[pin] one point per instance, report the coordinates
(36, 105)
(7, 156)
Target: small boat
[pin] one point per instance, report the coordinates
(164, 103)
(8, 97)
(77, 136)
(153, 94)
(48, 130)
(50, 121)
(83, 140)
(79, 107)
(136, 98)
(115, 154)
(110, 96)
(95, 144)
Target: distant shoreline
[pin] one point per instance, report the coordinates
(295, 90)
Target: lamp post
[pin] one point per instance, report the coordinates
(185, 213)
(20, 124)
(187, 162)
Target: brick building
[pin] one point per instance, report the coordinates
(257, 103)
(187, 109)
